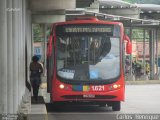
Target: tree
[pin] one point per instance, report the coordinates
(37, 32)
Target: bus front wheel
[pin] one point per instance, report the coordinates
(116, 106)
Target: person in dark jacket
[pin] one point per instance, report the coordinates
(35, 75)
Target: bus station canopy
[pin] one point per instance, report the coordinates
(127, 21)
(115, 4)
(149, 13)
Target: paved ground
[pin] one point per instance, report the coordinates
(142, 99)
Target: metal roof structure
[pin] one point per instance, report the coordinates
(150, 21)
(127, 21)
(149, 11)
(115, 4)
(83, 3)
(149, 8)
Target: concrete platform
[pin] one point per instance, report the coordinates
(38, 110)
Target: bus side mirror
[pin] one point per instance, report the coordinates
(129, 44)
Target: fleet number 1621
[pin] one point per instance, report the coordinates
(98, 88)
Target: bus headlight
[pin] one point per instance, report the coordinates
(61, 86)
(114, 86)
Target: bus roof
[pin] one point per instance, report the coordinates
(82, 20)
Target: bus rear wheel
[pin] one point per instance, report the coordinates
(116, 106)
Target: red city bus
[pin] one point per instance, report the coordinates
(85, 62)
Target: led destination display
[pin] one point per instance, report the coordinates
(85, 29)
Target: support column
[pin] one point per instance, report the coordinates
(29, 43)
(157, 52)
(22, 101)
(20, 53)
(131, 76)
(131, 54)
(3, 57)
(32, 41)
(28, 37)
(144, 76)
(10, 57)
(151, 51)
(26, 101)
(45, 47)
(23, 37)
(144, 51)
(25, 105)
(154, 53)
(15, 55)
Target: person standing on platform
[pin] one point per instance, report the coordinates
(35, 75)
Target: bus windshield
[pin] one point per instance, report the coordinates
(88, 51)
(88, 57)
